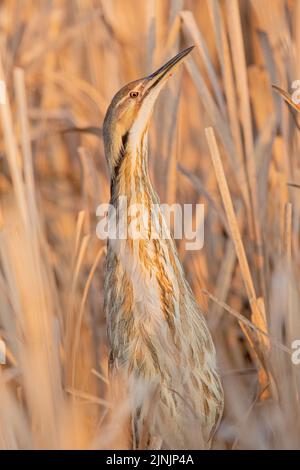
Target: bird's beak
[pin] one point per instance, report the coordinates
(163, 73)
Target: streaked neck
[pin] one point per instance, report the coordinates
(130, 176)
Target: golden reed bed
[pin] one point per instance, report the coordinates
(227, 141)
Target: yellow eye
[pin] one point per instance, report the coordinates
(134, 94)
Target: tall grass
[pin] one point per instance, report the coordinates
(62, 61)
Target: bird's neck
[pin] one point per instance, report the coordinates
(130, 177)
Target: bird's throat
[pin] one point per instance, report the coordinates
(130, 177)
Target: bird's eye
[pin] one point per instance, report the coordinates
(134, 94)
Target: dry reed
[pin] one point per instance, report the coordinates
(62, 61)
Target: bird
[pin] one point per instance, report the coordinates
(158, 338)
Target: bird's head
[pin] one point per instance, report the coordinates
(129, 113)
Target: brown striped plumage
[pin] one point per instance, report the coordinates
(158, 337)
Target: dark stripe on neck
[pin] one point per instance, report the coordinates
(116, 169)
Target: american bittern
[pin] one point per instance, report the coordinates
(158, 336)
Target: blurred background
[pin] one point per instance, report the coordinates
(62, 61)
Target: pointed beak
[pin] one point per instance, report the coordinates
(163, 73)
